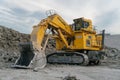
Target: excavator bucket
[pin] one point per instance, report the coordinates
(30, 58)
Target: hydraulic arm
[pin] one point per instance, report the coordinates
(57, 24)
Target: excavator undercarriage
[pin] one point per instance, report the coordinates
(60, 57)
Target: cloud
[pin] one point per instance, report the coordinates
(22, 14)
(18, 19)
(29, 5)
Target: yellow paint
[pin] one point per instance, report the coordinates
(67, 38)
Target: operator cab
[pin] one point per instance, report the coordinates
(80, 23)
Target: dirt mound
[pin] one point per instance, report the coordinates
(9, 40)
(112, 57)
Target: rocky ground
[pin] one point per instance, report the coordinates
(9, 41)
(9, 52)
(61, 72)
(112, 58)
(112, 51)
(9, 45)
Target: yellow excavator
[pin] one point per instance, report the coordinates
(77, 43)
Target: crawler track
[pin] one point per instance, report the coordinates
(68, 58)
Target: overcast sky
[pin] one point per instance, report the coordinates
(21, 15)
